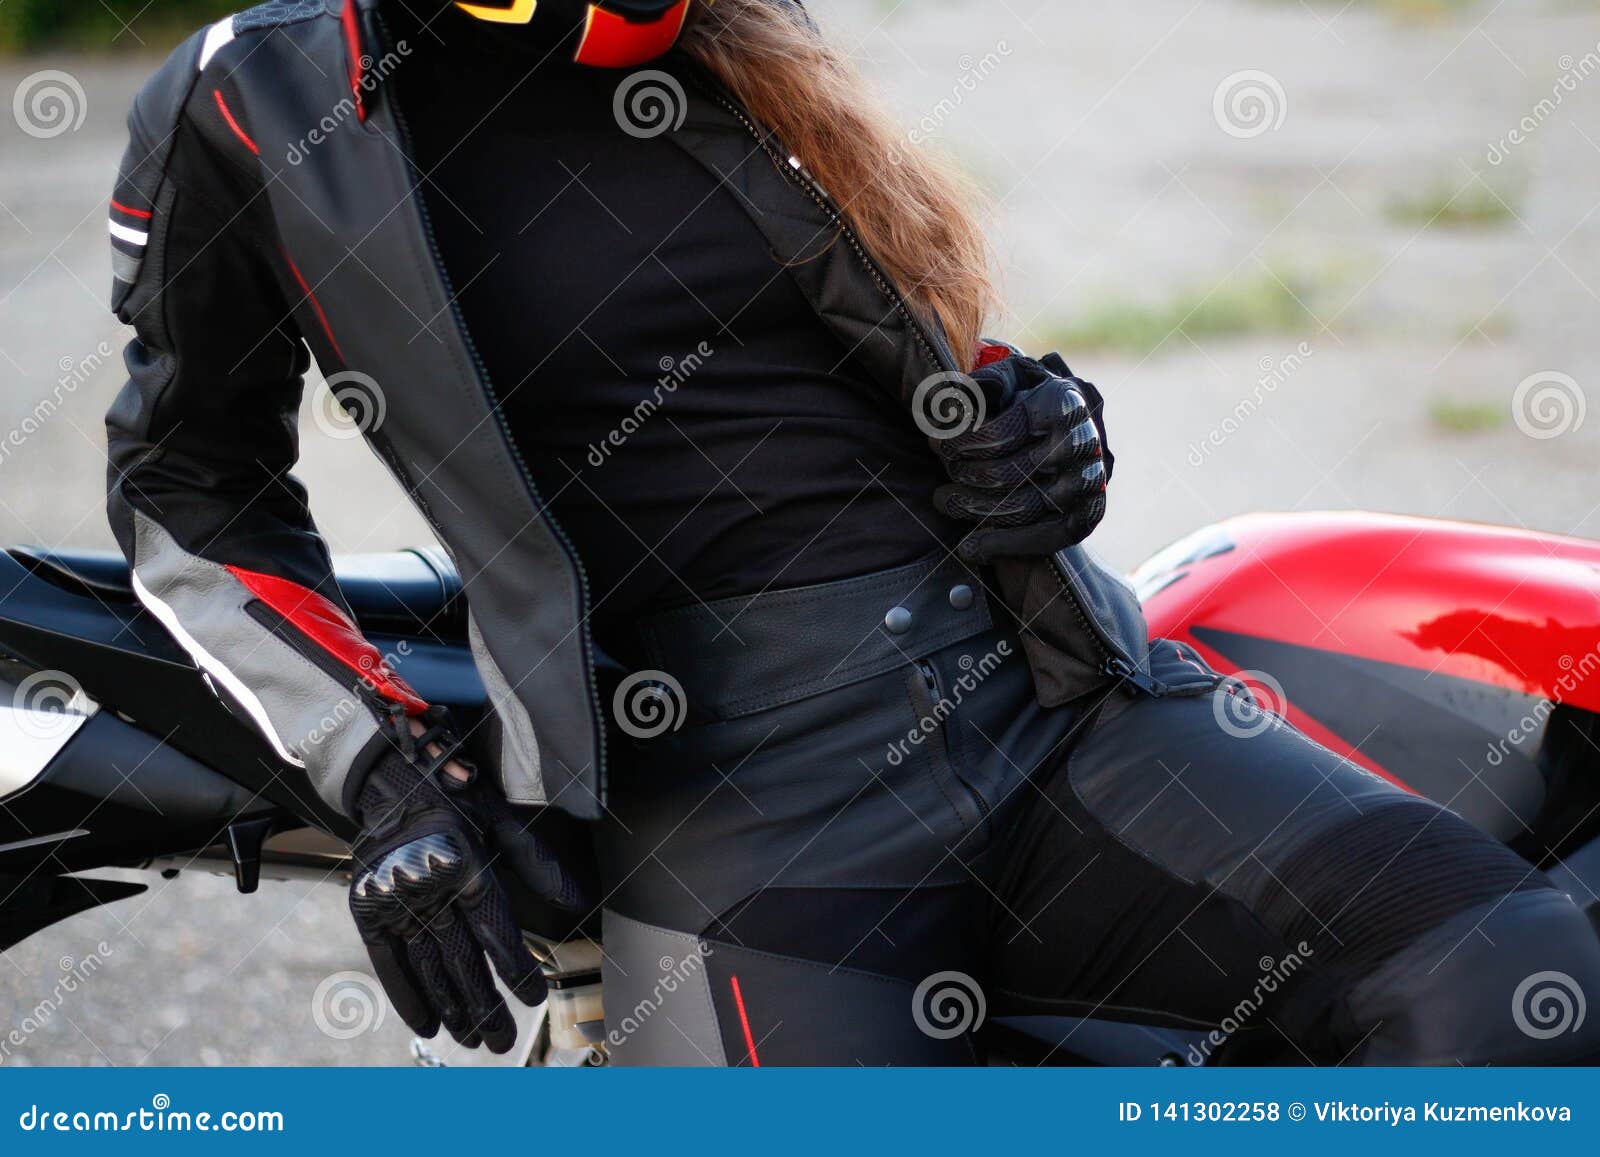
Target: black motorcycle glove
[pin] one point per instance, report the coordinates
(1034, 475)
(425, 897)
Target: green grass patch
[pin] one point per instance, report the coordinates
(1493, 329)
(1476, 206)
(1424, 11)
(1262, 302)
(105, 25)
(1411, 11)
(1459, 417)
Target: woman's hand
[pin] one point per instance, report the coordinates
(426, 899)
(454, 768)
(1033, 477)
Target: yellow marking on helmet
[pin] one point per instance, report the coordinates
(520, 12)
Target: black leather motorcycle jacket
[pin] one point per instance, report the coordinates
(267, 211)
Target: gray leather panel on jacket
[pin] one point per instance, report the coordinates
(310, 718)
(521, 775)
(349, 215)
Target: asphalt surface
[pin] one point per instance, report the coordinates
(1096, 129)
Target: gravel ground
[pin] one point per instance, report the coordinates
(1116, 184)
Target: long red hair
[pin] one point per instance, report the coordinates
(912, 210)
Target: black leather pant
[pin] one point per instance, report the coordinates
(862, 839)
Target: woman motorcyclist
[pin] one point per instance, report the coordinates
(772, 561)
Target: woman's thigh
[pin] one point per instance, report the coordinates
(1190, 863)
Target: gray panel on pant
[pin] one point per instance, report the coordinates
(658, 1013)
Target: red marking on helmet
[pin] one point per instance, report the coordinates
(744, 1023)
(321, 621)
(227, 115)
(610, 41)
(311, 296)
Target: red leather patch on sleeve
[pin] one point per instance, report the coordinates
(321, 621)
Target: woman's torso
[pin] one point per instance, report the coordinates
(693, 425)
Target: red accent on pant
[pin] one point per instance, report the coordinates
(744, 1023)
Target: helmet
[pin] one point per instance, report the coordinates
(614, 33)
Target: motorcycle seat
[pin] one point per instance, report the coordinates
(403, 592)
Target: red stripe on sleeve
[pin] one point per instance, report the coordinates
(321, 621)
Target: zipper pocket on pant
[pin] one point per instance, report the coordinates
(932, 706)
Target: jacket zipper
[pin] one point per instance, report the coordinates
(1114, 665)
(930, 346)
(586, 648)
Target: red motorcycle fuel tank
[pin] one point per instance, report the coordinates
(1435, 654)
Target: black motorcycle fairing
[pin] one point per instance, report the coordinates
(64, 612)
(36, 902)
